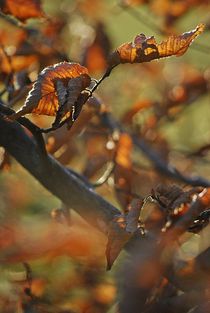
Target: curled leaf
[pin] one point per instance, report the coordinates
(146, 49)
(117, 238)
(120, 231)
(68, 97)
(56, 90)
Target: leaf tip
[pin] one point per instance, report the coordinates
(200, 28)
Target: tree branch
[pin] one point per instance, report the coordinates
(159, 164)
(166, 169)
(60, 181)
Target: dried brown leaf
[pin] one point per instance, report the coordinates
(121, 229)
(146, 49)
(132, 218)
(173, 196)
(117, 238)
(44, 98)
(67, 98)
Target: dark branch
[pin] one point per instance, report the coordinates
(160, 165)
(166, 169)
(60, 181)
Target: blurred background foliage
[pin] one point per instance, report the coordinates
(172, 114)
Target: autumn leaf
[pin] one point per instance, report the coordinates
(22, 9)
(146, 49)
(117, 238)
(121, 229)
(56, 90)
(62, 144)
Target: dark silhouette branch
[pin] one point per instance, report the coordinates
(60, 181)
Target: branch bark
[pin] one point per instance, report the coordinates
(60, 181)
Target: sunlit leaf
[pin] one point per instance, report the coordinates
(56, 90)
(146, 49)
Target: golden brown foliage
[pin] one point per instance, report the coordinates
(146, 49)
(56, 90)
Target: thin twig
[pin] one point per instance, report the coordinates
(12, 20)
(166, 169)
(108, 172)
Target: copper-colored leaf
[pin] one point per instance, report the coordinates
(48, 94)
(117, 238)
(121, 229)
(68, 97)
(146, 49)
(22, 9)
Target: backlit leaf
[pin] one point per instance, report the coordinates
(146, 49)
(55, 90)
